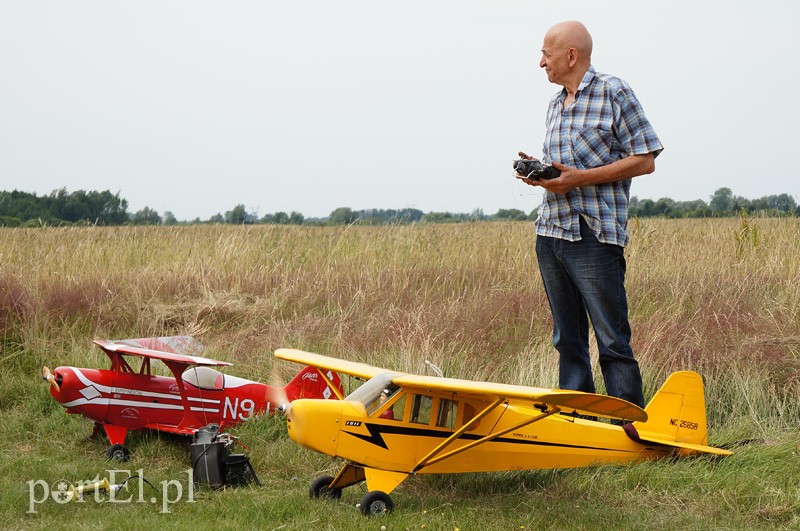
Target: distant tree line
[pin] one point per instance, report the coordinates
(722, 203)
(100, 208)
(22, 209)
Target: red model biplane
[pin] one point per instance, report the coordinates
(122, 398)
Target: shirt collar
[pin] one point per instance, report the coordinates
(587, 79)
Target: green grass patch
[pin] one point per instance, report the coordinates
(466, 297)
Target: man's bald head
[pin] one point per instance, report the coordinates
(572, 34)
(567, 54)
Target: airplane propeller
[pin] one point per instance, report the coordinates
(48, 377)
(279, 391)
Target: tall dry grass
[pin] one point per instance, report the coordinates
(705, 295)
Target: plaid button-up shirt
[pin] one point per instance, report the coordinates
(605, 123)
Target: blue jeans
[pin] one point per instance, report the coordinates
(586, 280)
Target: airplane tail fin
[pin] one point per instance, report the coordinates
(310, 384)
(677, 416)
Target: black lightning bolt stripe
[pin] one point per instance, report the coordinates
(376, 432)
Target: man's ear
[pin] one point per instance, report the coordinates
(572, 55)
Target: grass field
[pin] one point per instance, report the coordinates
(721, 297)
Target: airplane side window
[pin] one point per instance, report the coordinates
(446, 416)
(398, 408)
(421, 409)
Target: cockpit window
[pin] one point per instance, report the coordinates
(371, 389)
(204, 377)
(381, 403)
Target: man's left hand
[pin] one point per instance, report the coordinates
(569, 179)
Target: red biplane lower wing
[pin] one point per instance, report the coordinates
(170, 429)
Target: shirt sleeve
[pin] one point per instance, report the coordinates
(634, 131)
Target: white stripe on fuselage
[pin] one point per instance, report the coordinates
(122, 390)
(132, 403)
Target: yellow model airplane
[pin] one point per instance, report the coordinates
(398, 424)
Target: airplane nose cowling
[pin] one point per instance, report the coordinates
(315, 424)
(50, 378)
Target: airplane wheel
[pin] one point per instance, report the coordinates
(319, 489)
(376, 503)
(117, 452)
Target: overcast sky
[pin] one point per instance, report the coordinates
(198, 106)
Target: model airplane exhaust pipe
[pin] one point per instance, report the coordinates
(48, 377)
(76, 493)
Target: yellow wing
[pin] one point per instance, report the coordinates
(568, 401)
(352, 368)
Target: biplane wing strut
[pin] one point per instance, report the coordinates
(188, 415)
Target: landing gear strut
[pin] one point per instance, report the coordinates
(373, 503)
(320, 489)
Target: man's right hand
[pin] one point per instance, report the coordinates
(530, 182)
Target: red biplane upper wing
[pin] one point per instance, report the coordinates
(126, 347)
(175, 344)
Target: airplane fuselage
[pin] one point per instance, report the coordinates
(137, 401)
(344, 429)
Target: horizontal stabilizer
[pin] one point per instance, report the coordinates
(689, 446)
(647, 437)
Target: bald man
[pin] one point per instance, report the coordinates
(599, 138)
